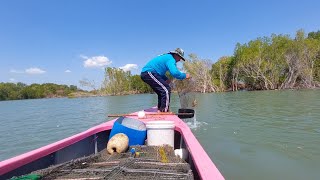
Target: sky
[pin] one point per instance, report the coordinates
(65, 41)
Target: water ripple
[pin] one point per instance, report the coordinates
(249, 135)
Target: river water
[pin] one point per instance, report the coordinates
(248, 135)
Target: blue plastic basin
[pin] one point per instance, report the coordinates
(133, 128)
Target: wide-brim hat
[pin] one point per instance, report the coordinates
(180, 52)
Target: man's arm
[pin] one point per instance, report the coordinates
(171, 64)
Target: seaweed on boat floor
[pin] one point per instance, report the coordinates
(156, 162)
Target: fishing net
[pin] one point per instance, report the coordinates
(186, 91)
(156, 162)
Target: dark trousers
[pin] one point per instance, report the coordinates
(161, 87)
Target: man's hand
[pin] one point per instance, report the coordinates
(188, 76)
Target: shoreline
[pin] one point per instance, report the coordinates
(89, 94)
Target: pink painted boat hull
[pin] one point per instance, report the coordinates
(203, 164)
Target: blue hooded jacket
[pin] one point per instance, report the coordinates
(163, 63)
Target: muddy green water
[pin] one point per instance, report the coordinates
(248, 135)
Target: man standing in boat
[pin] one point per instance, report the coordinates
(154, 74)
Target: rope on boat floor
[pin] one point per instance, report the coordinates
(128, 170)
(118, 169)
(124, 168)
(152, 163)
(88, 178)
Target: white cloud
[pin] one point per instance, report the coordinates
(95, 61)
(12, 79)
(34, 71)
(16, 71)
(67, 71)
(83, 56)
(129, 67)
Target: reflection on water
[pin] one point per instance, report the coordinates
(248, 135)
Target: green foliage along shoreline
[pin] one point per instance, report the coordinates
(16, 91)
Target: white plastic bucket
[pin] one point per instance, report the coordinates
(160, 133)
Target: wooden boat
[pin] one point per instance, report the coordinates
(94, 140)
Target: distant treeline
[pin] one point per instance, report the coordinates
(119, 82)
(15, 91)
(266, 63)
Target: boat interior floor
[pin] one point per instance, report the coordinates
(139, 162)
